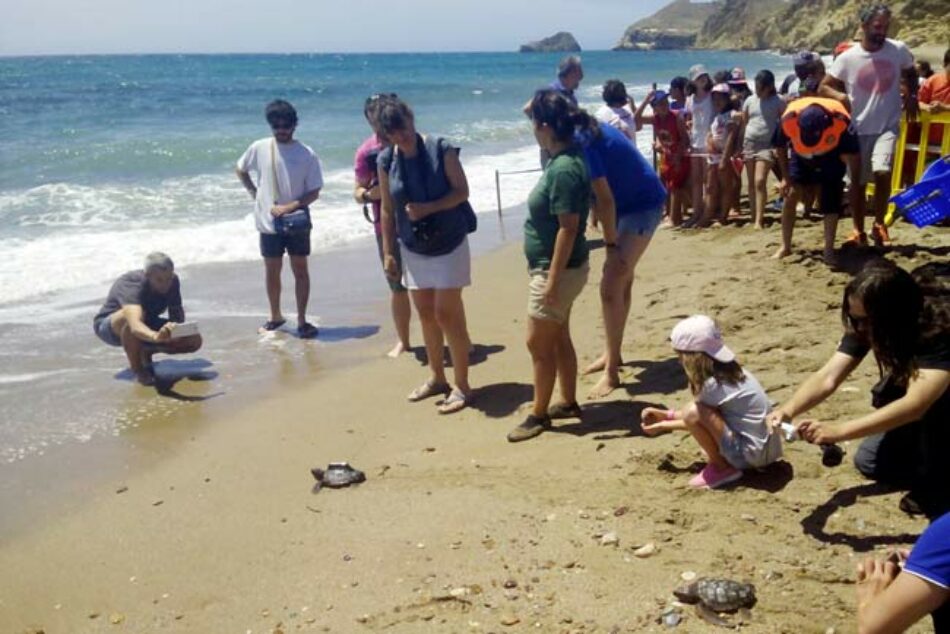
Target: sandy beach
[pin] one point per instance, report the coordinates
(457, 530)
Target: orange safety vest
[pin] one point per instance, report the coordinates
(840, 120)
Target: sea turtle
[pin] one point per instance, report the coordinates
(719, 595)
(337, 474)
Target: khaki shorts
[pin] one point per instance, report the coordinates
(877, 154)
(570, 286)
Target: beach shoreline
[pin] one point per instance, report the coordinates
(224, 534)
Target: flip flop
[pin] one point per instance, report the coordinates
(307, 330)
(273, 324)
(455, 402)
(428, 390)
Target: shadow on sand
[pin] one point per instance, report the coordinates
(814, 523)
(609, 420)
(168, 372)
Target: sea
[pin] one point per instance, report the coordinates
(106, 158)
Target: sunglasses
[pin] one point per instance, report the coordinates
(283, 125)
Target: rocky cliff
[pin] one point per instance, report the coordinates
(736, 25)
(820, 24)
(674, 26)
(562, 42)
(783, 24)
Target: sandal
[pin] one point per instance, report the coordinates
(455, 402)
(306, 330)
(428, 390)
(564, 410)
(273, 324)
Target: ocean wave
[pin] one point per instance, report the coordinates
(8, 379)
(85, 236)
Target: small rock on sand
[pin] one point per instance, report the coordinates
(510, 620)
(688, 576)
(116, 618)
(647, 550)
(609, 539)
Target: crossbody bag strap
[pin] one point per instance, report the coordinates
(275, 187)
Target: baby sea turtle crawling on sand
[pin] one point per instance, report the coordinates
(336, 475)
(719, 595)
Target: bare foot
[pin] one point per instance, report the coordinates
(397, 350)
(607, 384)
(781, 253)
(759, 226)
(597, 366)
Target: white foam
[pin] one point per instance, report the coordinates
(90, 235)
(9, 379)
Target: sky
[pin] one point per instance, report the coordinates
(42, 27)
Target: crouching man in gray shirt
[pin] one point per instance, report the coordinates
(131, 316)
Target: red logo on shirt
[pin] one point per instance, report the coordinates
(877, 76)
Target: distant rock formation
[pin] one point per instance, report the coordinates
(562, 42)
(674, 26)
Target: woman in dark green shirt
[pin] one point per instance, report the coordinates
(556, 250)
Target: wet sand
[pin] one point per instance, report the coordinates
(456, 530)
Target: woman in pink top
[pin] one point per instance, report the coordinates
(366, 192)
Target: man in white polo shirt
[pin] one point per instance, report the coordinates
(866, 79)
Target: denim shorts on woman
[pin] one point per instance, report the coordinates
(640, 223)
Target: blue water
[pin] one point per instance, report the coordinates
(104, 158)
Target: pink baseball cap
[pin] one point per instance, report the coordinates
(723, 88)
(700, 333)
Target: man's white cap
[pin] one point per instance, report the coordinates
(699, 333)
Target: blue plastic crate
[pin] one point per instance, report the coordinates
(927, 202)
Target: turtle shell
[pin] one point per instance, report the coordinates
(721, 595)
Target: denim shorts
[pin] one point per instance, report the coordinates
(641, 223)
(105, 332)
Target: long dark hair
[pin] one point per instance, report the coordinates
(549, 107)
(894, 303)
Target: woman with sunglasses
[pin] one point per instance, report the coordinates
(425, 193)
(904, 320)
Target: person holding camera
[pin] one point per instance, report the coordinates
(366, 192)
(289, 179)
(131, 317)
(425, 195)
(903, 321)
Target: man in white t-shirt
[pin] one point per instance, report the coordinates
(866, 79)
(281, 208)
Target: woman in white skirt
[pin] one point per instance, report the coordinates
(425, 206)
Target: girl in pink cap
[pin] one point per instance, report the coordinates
(728, 414)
